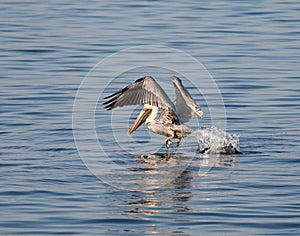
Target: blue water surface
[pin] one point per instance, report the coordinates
(250, 48)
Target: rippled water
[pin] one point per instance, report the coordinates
(251, 49)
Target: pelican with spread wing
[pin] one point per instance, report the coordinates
(170, 122)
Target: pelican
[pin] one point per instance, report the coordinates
(170, 122)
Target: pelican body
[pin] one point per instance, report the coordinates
(170, 122)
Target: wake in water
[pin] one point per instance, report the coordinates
(214, 141)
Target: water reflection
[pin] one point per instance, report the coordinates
(155, 170)
(174, 194)
(160, 200)
(218, 160)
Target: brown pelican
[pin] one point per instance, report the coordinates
(170, 122)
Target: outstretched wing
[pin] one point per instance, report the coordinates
(143, 91)
(186, 107)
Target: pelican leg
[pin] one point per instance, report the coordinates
(178, 142)
(168, 142)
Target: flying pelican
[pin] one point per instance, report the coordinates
(170, 122)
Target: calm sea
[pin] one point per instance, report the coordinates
(251, 49)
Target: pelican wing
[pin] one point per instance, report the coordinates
(143, 91)
(186, 107)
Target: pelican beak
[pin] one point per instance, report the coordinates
(144, 114)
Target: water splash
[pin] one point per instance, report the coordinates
(216, 141)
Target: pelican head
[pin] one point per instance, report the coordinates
(142, 117)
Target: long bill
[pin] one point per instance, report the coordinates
(144, 114)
